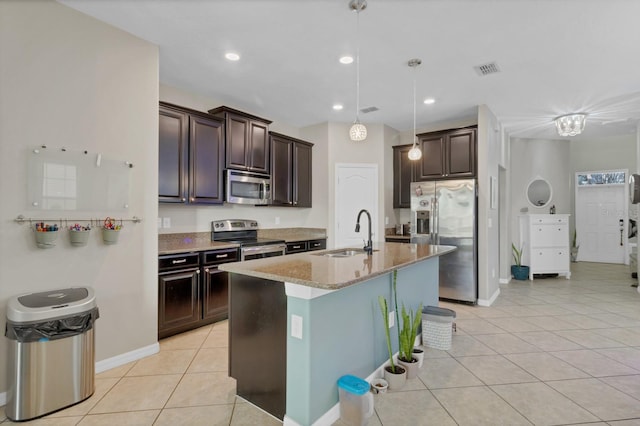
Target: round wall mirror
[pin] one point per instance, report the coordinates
(539, 192)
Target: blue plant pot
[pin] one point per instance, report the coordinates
(520, 272)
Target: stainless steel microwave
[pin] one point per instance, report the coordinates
(247, 188)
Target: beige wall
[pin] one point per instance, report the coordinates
(67, 80)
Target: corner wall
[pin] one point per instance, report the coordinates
(68, 80)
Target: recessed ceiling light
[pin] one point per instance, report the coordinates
(337, 107)
(346, 60)
(429, 101)
(232, 56)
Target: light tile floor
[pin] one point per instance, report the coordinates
(549, 352)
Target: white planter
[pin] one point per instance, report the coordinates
(396, 381)
(418, 354)
(411, 367)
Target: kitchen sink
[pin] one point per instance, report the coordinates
(344, 252)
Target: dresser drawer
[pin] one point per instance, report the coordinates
(550, 220)
(550, 235)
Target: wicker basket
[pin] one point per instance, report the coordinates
(437, 325)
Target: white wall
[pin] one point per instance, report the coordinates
(193, 218)
(68, 80)
(532, 158)
(489, 155)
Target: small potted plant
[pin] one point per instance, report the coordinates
(395, 375)
(407, 336)
(519, 271)
(574, 247)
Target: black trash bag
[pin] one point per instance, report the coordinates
(54, 329)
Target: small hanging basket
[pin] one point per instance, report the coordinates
(46, 235)
(111, 231)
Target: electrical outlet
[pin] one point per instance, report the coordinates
(493, 273)
(296, 326)
(166, 222)
(392, 318)
(159, 223)
(386, 220)
(277, 220)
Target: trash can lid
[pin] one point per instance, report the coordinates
(353, 384)
(441, 312)
(50, 304)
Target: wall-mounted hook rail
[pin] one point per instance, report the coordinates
(22, 219)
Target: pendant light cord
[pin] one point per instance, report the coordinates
(414, 107)
(358, 63)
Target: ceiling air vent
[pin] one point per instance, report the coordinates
(369, 109)
(486, 69)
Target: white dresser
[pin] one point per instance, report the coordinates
(546, 243)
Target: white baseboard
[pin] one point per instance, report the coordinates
(109, 363)
(127, 357)
(333, 414)
(489, 302)
(504, 280)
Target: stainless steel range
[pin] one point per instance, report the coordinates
(245, 233)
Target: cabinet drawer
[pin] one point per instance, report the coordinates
(550, 219)
(219, 256)
(317, 244)
(297, 247)
(178, 261)
(550, 235)
(550, 260)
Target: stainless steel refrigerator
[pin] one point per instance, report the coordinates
(444, 212)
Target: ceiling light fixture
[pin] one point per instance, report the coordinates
(358, 131)
(429, 101)
(571, 124)
(338, 107)
(346, 60)
(232, 56)
(414, 152)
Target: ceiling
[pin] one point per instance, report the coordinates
(554, 56)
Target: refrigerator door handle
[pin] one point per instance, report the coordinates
(432, 221)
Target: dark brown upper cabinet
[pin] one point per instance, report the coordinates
(403, 175)
(247, 140)
(290, 171)
(190, 156)
(447, 154)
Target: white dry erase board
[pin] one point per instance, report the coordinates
(61, 179)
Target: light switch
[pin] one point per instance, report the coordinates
(166, 222)
(296, 326)
(392, 318)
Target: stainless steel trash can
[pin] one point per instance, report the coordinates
(51, 358)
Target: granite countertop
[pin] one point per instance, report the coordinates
(183, 243)
(311, 269)
(201, 241)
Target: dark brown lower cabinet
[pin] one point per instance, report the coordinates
(178, 307)
(192, 291)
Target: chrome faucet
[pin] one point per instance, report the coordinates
(369, 246)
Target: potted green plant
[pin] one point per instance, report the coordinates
(395, 375)
(519, 271)
(407, 336)
(574, 247)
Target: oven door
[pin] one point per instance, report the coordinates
(247, 188)
(260, 252)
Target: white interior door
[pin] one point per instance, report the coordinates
(356, 189)
(601, 220)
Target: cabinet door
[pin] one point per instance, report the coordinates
(431, 165)
(258, 148)
(173, 156)
(237, 141)
(460, 153)
(282, 169)
(215, 300)
(301, 175)
(205, 172)
(403, 175)
(178, 298)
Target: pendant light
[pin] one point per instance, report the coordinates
(358, 131)
(414, 153)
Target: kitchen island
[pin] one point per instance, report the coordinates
(298, 323)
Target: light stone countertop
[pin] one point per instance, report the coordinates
(311, 269)
(201, 241)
